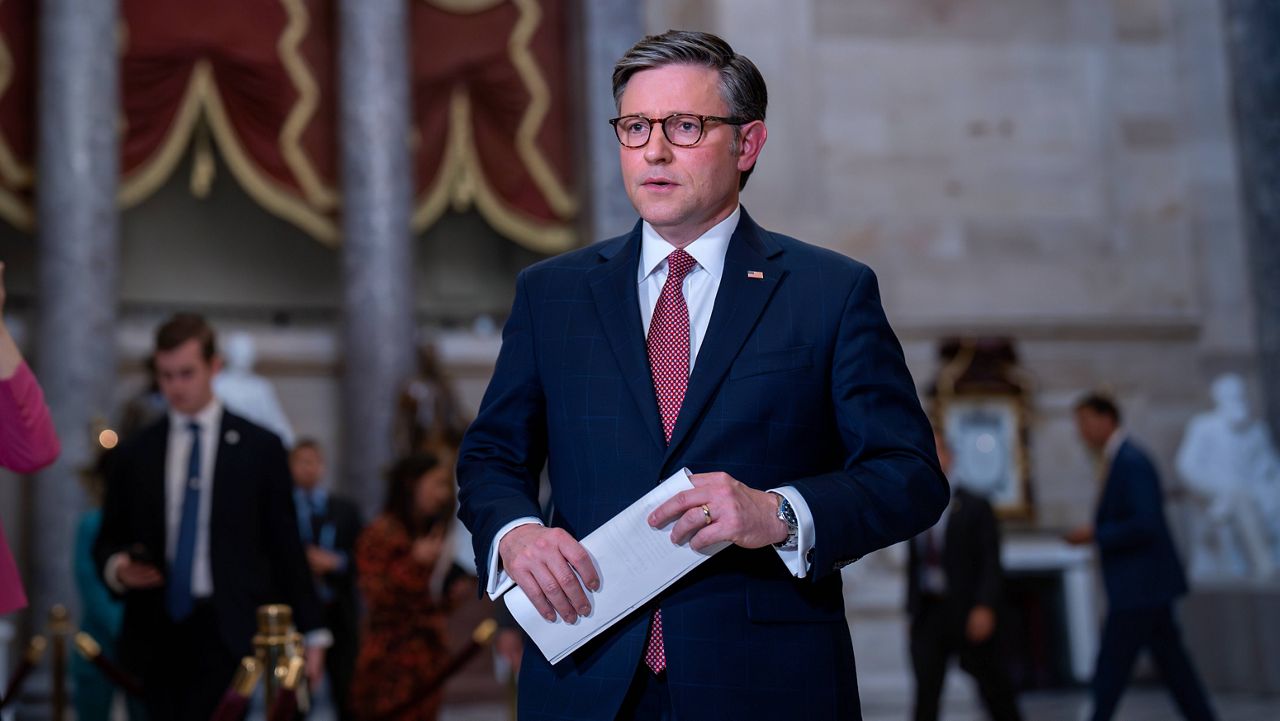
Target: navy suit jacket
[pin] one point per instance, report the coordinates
(799, 381)
(1140, 566)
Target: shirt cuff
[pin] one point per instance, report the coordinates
(319, 638)
(344, 562)
(797, 559)
(499, 582)
(109, 572)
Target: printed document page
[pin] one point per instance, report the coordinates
(635, 563)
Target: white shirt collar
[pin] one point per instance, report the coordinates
(709, 249)
(207, 417)
(1112, 446)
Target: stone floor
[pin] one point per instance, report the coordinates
(1140, 704)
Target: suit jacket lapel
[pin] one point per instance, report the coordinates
(739, 303)
(225, 448)
(613, 286)
(155, 476)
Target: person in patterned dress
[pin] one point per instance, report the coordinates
(401, 559)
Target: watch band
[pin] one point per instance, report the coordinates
(787, 515)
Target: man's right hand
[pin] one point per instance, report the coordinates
(542, 561)
(137, 576)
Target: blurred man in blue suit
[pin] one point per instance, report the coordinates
(1140, 568)
(700, 340)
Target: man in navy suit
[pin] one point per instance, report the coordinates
(198, 530)
(701, 340)
(1140, 568)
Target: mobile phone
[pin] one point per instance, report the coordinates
(139, 553)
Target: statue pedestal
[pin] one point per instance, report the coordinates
(1054, 582)
(1232, 631)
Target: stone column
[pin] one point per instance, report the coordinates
(610, 28)
(378, 333)
(1253, 43)
(77, 169)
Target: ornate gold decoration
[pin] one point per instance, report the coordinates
(460, 181)
(460, 184)
(202, 98)
(318, 193)
(539, 103)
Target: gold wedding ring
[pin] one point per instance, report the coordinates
(706, 513)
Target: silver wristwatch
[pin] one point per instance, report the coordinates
(787, 515)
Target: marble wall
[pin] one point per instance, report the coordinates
(1061, 172)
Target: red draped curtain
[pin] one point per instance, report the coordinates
(256, 78)
(17, 105)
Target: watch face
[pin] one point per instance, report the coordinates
(983, 437)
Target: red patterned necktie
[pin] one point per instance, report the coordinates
(669, 366)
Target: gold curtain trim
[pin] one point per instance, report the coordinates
(16, 211)
(201, 94)
(139, 184)
(461, 184)
(464, 6)
(17, 174)
(318, 193)
(261, 187)
(539, 103)
(436, 198)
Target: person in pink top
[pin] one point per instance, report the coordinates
(27, 440)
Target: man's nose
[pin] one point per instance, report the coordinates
(658, 149)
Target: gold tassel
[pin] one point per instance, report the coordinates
(204, 165)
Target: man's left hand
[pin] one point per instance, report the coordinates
(734, 512)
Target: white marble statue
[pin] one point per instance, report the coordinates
(1228, 461)
(246, 393)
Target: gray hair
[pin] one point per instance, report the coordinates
(741, 85)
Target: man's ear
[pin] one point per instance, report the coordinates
(215, 363)
(750, 144)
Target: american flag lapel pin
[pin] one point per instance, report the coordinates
(755, 275)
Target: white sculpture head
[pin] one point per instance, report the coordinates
(239, 353)
(1229, 398)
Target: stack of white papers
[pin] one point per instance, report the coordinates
(635, 563)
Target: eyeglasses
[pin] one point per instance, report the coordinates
(682, 129)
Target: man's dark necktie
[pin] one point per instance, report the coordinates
(178, 598)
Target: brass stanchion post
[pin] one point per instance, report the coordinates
(276, 645)
(59, 631)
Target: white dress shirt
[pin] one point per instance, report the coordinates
(700, 288)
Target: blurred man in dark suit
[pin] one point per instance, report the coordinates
(954, 592)
(329, 525)
(1140, 568)
(198, 530)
